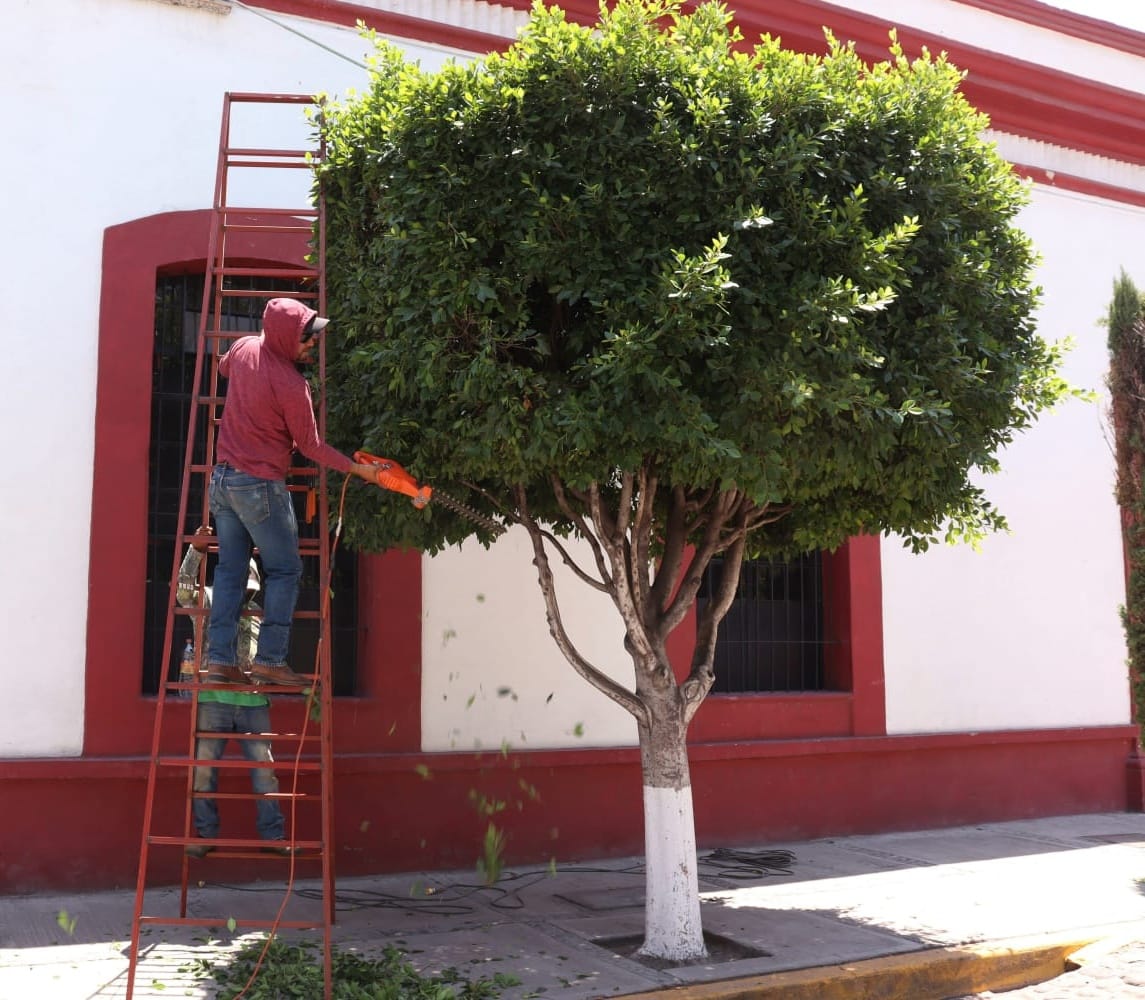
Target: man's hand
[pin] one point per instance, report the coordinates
(203, 537)
(365, 470)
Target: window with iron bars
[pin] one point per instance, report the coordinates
(178, 301)
(773, 637)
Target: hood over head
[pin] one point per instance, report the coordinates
(283, 323)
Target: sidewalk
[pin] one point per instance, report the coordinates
(963, 912)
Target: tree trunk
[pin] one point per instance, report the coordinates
(672, 926)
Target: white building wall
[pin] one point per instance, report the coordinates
(492, 674)
(1025, 633)
(114, 116)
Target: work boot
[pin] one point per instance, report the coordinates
(277, 673)
(225, 673)
(280, 848)
(198, 850)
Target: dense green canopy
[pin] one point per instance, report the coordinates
(646, 247)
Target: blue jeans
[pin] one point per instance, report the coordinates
(249, 511)
(216, 717)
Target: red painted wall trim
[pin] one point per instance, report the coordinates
(388, 23)
(865, 586)
(117, 718)
(1027, 99)
(752, 791)
(1082, 185)
(854, 703)
(1065, 22)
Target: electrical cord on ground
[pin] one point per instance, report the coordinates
(450, 900)
(737, 864)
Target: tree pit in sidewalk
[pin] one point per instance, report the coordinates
(720, 950)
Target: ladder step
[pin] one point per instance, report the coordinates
(250, 227)
(295, 737)
(234, 764)
(225, 211)
(248, 796)
(232, 843)
(297, 925)
(257, 97)
(267, 151)
(263, 272)
(307, 547)
(263, 293)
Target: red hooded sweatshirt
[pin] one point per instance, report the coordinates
(269, 412)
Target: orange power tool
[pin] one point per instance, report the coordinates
(392, 476)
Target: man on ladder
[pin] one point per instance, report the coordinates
(268, 414)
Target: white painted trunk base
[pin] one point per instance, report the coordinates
(672, 926)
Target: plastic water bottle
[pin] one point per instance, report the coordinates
(187, 668)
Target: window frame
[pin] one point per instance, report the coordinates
(118, 717)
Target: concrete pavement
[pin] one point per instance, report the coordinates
(950, 913)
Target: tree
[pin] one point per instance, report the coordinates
(1126, 322)
(639, 286)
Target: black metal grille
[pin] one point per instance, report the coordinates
(178, 300)
(772, 638)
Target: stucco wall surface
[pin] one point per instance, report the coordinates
(1025, 633)
(492, 675)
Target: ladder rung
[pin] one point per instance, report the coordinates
(253, 795)
(230, 843)
(297, 925)
(266, 272)
(254, 97)
(268, 293)
(250, 227)
(270, 165)
(234, 764)
(266, 151)
(295, 737)
(296, 212)
(191, 611)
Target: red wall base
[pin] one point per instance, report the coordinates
(1135, 780)
(75, 824)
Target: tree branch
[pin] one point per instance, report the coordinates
(675, 541)
(601, 585)
(601, 681)
(701, 677)
(639, 559)
(578, 520)
(622, 592)
(713, 541)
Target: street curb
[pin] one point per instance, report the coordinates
(930, 974)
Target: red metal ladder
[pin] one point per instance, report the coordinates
(303, 756)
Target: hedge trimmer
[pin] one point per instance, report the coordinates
(392, 476)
